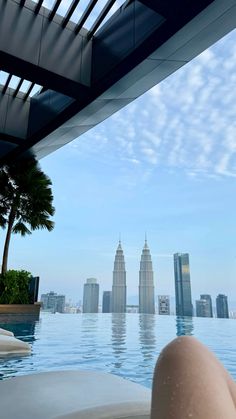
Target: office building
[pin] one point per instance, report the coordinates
(222, 309)
(163, 304)
(119, 282)
(60, 303)
(183, 296)
(209, 310)
(53, 302)
(91, 296)
(106, 302)
(146, 283)
(202, 308)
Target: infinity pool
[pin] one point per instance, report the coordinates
(126, 345)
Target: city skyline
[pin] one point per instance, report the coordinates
(134, 298)
(115, 301)
(203, 307)
(163, 261)
(148, 167)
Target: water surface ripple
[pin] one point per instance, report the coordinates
(123, 344)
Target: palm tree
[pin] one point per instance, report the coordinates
(25, 201)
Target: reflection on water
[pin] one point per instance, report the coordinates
(118, 338)
(89, 337)
(123, 344)
(184, 326)
(22, 326)
(147, 336)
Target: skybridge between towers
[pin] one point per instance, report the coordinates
(67, 67)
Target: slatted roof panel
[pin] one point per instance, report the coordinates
(90, 14)
(18, 85)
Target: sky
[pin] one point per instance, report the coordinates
(164, 165)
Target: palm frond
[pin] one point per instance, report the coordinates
(21, 228)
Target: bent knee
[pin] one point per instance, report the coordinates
(181, 349)
(181, 344)
(183, 341)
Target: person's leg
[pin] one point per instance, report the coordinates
(189, 382)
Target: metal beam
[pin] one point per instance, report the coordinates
(18, 87)
(48, 79)
(38, 6)
(6, 84)
(29, 91)
(100, 18)
(54, 9)
(70, 12)
(85, 15)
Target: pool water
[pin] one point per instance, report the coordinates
(123, 344)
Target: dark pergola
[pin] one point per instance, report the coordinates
(71, 10)
(63, 73)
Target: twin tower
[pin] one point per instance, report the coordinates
(146, 283)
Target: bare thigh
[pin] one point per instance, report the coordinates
(189, 382)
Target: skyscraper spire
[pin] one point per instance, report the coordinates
(119, 282)
(146, 283)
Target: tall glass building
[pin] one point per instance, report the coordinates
(91, 296)
(146, 283)
(207, 298)
(106, 302)
(183, 296)
(202, 308)
(118, 302)
(222, 309)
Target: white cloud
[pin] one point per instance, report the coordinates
(134, 161)
(151, 155)
(186, 122)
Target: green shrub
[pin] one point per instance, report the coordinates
(14, 287)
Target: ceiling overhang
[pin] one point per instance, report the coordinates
(87, 75)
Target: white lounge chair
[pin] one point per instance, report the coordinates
(73, 395)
